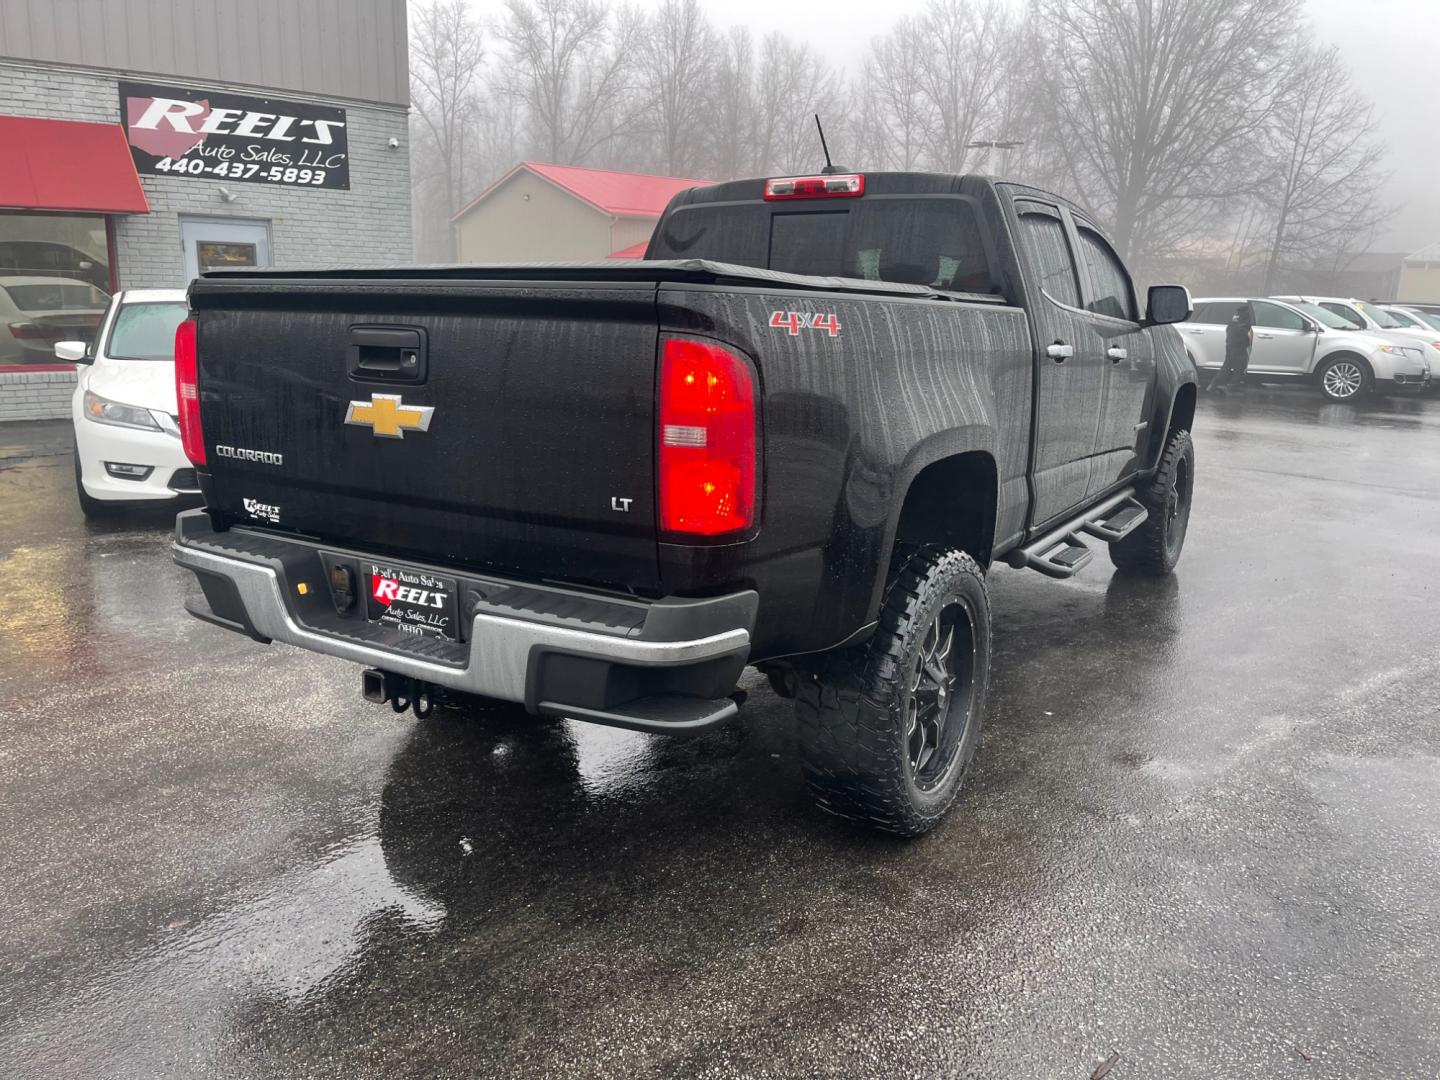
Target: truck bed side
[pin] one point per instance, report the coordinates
(850, 420)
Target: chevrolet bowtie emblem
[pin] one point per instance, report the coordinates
(388, 417)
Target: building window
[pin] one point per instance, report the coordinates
(213, 256)
(55, 282)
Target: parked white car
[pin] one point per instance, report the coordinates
(127, 439)
(1303, 341)
(1413, 318)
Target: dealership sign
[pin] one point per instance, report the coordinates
(215, 136)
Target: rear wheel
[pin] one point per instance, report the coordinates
(1344, 378)
(1154, 548)
(888, 729)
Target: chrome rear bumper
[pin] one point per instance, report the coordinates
(549, 663)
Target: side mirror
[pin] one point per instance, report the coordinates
(73, 352)
(1311, 326)
(1168, 304)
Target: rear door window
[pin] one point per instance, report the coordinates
(1048, 251)
(1215, 312)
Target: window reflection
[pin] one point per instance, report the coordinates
(54, 283)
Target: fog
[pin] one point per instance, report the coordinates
(1241, 144)
(1386, 45)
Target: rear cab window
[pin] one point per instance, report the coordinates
(933, 241)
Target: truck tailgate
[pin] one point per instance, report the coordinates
(537, 454)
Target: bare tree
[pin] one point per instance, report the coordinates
(1159, 104)
(446, 51)
(678, 45)
(500, 133)
(1323, 199)
(733, 116)
(891, 81)
(572, 70)
(1187, 126)
(794, 84)
(962, 61)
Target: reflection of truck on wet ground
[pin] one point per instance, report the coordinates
(796, 437)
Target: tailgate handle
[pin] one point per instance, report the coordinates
(387, 354)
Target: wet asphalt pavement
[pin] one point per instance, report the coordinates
(1203, 831)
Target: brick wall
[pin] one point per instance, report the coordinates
(370, 223)
(36, 395)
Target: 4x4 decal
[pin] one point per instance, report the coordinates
(795, 321)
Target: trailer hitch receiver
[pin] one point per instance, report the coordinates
(401, 691)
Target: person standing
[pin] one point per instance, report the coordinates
(1239, 336)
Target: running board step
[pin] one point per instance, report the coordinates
(1065, 558)
(1061, 553)
(1119, 523)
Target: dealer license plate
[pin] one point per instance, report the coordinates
(412, 600)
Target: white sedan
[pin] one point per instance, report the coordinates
(127, 440)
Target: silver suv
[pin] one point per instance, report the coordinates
(1374, 319)
(1304, 341)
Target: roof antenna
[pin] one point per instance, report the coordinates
(830, 168)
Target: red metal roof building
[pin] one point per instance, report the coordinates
(542, 212)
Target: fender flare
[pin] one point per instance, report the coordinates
(967, 439)
(1159, 433)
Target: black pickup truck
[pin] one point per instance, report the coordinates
(795, 436)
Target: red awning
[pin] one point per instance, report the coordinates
(67, 165)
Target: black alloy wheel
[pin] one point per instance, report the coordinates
(1154, 548)
(938, 713)
(888, 730)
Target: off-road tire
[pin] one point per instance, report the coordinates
(1350, 362)
(1154, 548)
(853, 704)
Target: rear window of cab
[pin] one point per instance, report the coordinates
(934, 242)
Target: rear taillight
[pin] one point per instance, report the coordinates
(847, 186)
(707, 439)
(187, 393)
